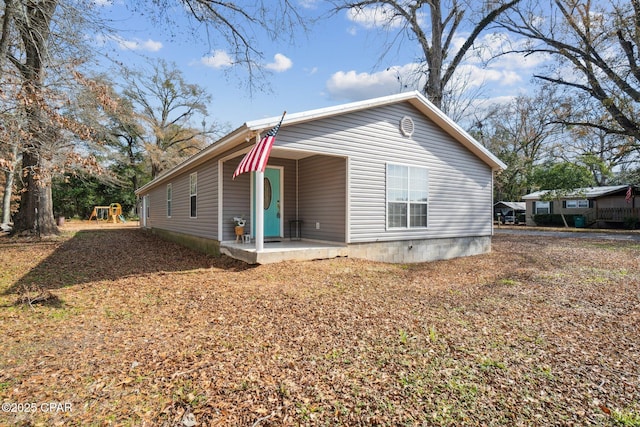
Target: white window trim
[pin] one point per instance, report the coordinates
(577, 202)
(408, 202)
(192, 177)
(169, 200)
(548, 208)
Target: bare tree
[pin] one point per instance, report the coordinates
(37, 33)
(170, 111)
(522, 134)
(240, 26)
(433, 25)
(602, 152)
(595, 46)
(10, 137)
(33, 22)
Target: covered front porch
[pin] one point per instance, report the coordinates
(303, 203)
(283, 250)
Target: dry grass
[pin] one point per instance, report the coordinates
(540, 332)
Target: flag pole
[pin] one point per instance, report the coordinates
(259, 176)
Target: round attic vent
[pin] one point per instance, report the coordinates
(406, 126)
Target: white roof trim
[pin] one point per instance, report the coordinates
(513, 205)
(587, 192)
(247, 130)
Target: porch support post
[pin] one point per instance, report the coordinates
(259, 209)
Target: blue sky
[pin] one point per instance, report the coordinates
(336, 61)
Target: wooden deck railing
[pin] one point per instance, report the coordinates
(616, 214)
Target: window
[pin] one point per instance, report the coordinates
(169, 200)
(193, 194)
(576, 204)
(543, 208)
(407, 196)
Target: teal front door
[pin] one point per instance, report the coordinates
(272, 203)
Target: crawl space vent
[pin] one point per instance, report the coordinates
(406, 126)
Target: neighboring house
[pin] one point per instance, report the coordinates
(390, 179)
(509, 212)
(600, 206)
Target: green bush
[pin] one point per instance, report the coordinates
(554, 220)
(630, 222)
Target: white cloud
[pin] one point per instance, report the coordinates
(311, 71)
(490, 50)
(353, 86)
(280, 63)
(219, 59)
(137, 44)
(374, 17)
(474, 76)
(309, 4)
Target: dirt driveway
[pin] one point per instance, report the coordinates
(630, 236)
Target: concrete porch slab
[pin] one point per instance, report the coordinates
(283, 250)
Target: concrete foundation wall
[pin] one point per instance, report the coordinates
(200, 244)
(404, 251)
(421, 250)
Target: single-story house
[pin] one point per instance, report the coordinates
(599, 206)
(390, 179)
(505, 212)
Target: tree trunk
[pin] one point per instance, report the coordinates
(36, 203)
(8, 189)
(564, 220)
(35, 214)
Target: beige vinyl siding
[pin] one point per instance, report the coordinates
(205, 225)
(460, 184)
(322, 184)
(237, 200)
(343, 186)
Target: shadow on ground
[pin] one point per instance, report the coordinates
(96, 255)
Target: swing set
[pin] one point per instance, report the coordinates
(113, 213)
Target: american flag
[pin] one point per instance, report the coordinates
(256, 159)
(629, 194)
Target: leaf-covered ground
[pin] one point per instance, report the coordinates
(138, 331)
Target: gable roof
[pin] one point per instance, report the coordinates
(249, 129)
(586, 192)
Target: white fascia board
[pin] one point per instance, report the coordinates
(322, 113)
(453, 129)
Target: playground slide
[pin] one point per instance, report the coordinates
(121, 218)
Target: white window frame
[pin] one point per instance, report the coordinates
(169, 197)
(577, 204)
(147, 207)
(546, 206)
(416, 185)
(193, 195)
